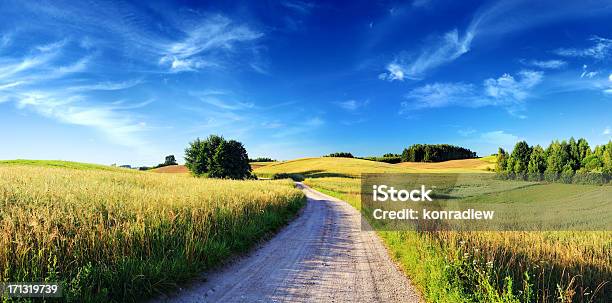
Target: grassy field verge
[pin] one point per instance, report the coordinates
(62, 164)
(452, 266)
(123, 235)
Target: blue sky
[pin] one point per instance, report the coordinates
(130, 82)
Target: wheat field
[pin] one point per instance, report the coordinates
(121, 235)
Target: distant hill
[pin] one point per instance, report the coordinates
(63, 164)
(352, 167)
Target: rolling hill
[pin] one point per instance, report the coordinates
(351, 167)
(62, 164)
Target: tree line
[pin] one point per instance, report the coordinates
(435, 153)
(570, 161)
(340, 155)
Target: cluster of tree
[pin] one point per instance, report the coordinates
(340, 155)
(216, 157)
(435, 153)
(262, 159)
(566, 161)
(170, 160)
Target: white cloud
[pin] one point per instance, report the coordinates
(601, 49)
(466, 132)
(548, 64)
(506, 91)
(111, 120)
(440, 51)
(26, 82)
(492, 21)
(315, 121)
(220, 99)
(298, 6)
(11, 85)
(5, 40)
(106, 86)
(607, 131)
(352, 105)
(201, 44)
(440, 95)
(610, 78)
(394, 72)
(499, 138)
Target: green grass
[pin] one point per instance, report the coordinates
(448, 266)
(62, 164)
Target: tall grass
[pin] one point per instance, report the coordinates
(123, 236)
(449, 266)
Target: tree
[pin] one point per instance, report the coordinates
(502, 160)
(230, 161)
(592, 163)
(537, 163)
(565, 161)
(340, 155)
(217, 158)
(170, 160)
(435, 153)
(521, 155)
(583, 149)
(196, 158)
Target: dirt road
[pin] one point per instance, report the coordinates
(322, 256)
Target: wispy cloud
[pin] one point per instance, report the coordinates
(314, 121)
(600, 49)
(199, 49)
(607, 131)
(494, 20)
(106, 86)
(301, 7)
(222, 100)
(499, 138)
(440, 51)
(43, 83)
(586, 73)
(352, 105)
(111, 120)
(440, 95)
(507, 91)
(421, 3)
(466, 132)
(547, 64)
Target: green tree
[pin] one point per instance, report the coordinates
(520, 154)
(583, 149)
(606, 157)
(502, 160)
(217, 158)
(196, 157)
(230, 161)
(170, 160)
(537, 162)
(592, 163)
(557, 157)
